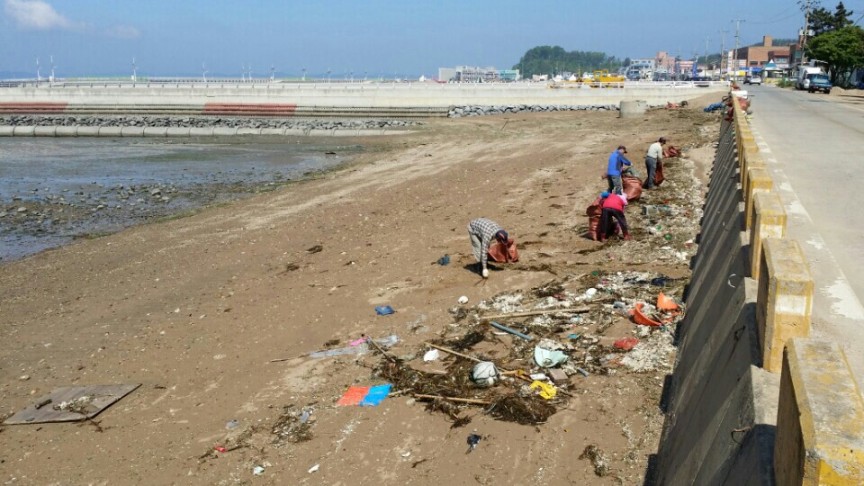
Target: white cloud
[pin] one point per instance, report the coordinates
(36, 14)
(123, 32)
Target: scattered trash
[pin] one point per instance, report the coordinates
(384, 310)
(509, 330)
(232, 424)
(590, 293)
(484, 374)
(258, 470)
(293, 425)
(538, 376)
(574, 336)
(548, 358)
(221, 449)
(431, 355)
(444, 260)
(406, 454)
(315, 249)
(665, 303)
(463, 300)
(626, 344)
(473, 440)
(361, 348)
(357, 341)
(547, 391)
(639, 317)
(365, 396)
(598, 459)
(558, 376)
(659, 281)
(582, 372)
(314, 468)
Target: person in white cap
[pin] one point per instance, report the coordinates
(652, 158)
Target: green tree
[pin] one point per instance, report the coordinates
(555, 60)
(822, 20)
(842, 49)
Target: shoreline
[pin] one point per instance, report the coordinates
(195, 308)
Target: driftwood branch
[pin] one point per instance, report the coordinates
(454, 353)
(579, 310)
(454, 399)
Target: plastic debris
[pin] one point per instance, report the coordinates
(626, 344)
(484, 373)
(232, 424)
(221, 449)
(640, 318)
(314, 468)
(548, 358)
(431, 355)
(444, 260)
(510, 330)
(258, 470)
(358, 349)
(666, 303)
(358, 341)
(365, 396)
(463, 300)
(547, 391)
(574, 336)
(473, 440)
(384, 310)
(538, 376)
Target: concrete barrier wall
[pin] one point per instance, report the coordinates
(750, 295)
(91, 131)
(359, 95)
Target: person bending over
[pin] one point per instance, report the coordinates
(482, 232)
(613, 207)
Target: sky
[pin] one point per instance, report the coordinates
(389, 38)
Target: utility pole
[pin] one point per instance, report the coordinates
(735, 54)
(805, 32)
(722, 50)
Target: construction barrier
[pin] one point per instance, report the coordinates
(750, 295)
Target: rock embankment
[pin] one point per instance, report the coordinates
(460, 111)
(199, 122)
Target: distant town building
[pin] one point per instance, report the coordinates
(758, 56)
(472, 74)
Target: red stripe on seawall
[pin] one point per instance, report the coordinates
(260, 109)
(32, 108)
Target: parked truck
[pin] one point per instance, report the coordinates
(801, 81)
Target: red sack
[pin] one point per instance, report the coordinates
(632, 187)
(498, 253)
(658, 175)
(593, 212)
(671, 151)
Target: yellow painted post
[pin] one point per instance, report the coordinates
(758, 181)
(751, 160)
(820, 418)
(784, 300)
(769, 221)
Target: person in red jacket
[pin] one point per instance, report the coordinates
(613, 207)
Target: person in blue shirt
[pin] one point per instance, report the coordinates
(617, 164)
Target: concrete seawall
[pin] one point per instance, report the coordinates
(292, 97)
(752, 398)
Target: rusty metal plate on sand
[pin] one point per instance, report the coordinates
(70, 404)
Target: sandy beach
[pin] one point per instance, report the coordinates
(194, 309)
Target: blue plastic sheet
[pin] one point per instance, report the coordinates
(376, 395)
(384, 310)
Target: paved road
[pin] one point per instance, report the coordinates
(813, 146)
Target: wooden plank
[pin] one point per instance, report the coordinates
(71, 404)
